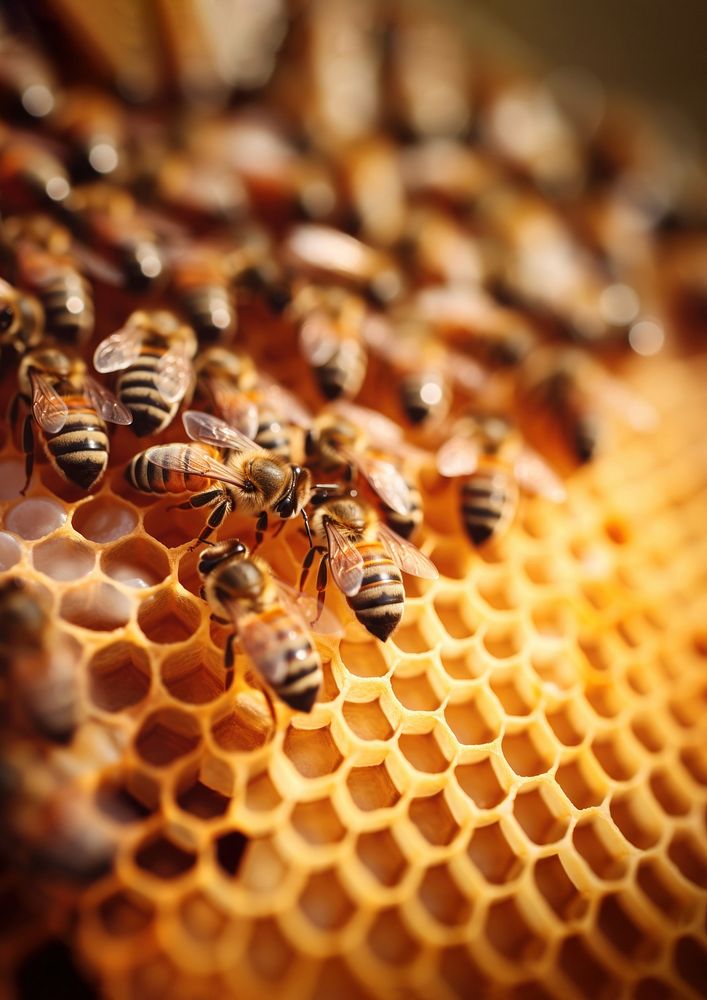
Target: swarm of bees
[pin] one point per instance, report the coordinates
(140, 269)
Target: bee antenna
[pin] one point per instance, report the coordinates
(307, 528)
(325, 487)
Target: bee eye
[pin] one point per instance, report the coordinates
(7, 316)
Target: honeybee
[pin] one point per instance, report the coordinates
(351, 439)
(70, 409)
(487, 454)
(248, 400)
(27, 84)
(199, 189)
(406, 524)
(330, 324)
(365, 558)
(242, 591)
(575, 394)
(39, 667)
(44, 261)
(31, 175)
(108, 217)
(21, 319)
(200, 279)
(94, 125)
(154, 350)
(251, 479)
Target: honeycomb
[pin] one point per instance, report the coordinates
(509, 798)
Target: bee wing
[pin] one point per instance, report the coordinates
(211, 430)
(385, 480)
(345, 560)
(317, 339)
(285, 403)
(118, 351)
(459, 456)
(638, 413)
(174, 373)
(535, 475)
(320, 620)
(407, 556)
(191, 461)
(259, 643)
(106, 404)
(49, 409)
(382, 432)
(238, 410)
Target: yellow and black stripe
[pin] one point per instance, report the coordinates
(210, 311)
(68, 306)
(488, 501)
(79, 451)
(137, 389)
(380, 602)
(344, 372)
(405, 525)
(290, 642)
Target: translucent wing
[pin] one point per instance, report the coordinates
(259, 643)
(345, 561)
(236, 408)
(210, 430)
(190, 461)
(407, 556)
(320, 620)
(49, 409)
(459, 456)
(285, 403)
(106, 404)
(174, 373)
(118, 351)
(382, 432)
(317, 339)
(638, 413)
(385, 480)
(536, 476)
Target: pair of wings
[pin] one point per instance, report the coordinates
(50, 410)
(243, 412)
(460, 456)
(122, 349)
(346, 562)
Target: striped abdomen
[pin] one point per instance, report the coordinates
(405, 524)
(344, 372)
(80, 450)
(380, 602)
(68, 305)
(137, 389)
(275, 436)
(488, 502)
(424, 396)
(284, 655)
(144, 475)
(211, 312)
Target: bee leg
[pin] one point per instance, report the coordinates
(216, 518)
(229, 657)
(307, 563)
(198, 500)
(261, 526)
(28, 449)
(321, 585)
(307, 528)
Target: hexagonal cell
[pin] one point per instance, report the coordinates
(136, 562)
(599, 844)
(335, 980)
(379, 852)
(324, 901)
(503, 640)
(115, 797)
(159, 856)
(581, 783)
(269, 952)
(605, 698)
(389, 939)
(166, 735)
(119, 676)
(12, 479)
(529, 751)
(440, 896)
(663, 889)
(636, 817)
(245, 726)
(651, 988)
(99, 607)
(668, 794)
(10, 551)
(481, 783)
(63, 559)
(620, 930)
(170, 527)
(566, 724)
(491, 853)
(691, 961)
(367, 720)
(104, 519)
(201, 918)
(694, 760)
(616, 756)
(372, 787)
(125, 913)
(554, 668)
(433, 818)
(462, 975)
(689, 857)
(415, 693)
(475, 721)
(167, 617)
(454, 616)
(541, 813)
(34, 518)
(513, 700)
(197, 799)
(261, 795)
(426, 752)
(510, 934)
(583, 969)
(229, 849)
(413, 637)
(312, 751)
(451, 560)
(363, 659)
(558, 890)
(318, 822)
(194, 675)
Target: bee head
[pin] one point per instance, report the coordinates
(214, 555)
(297, 493)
